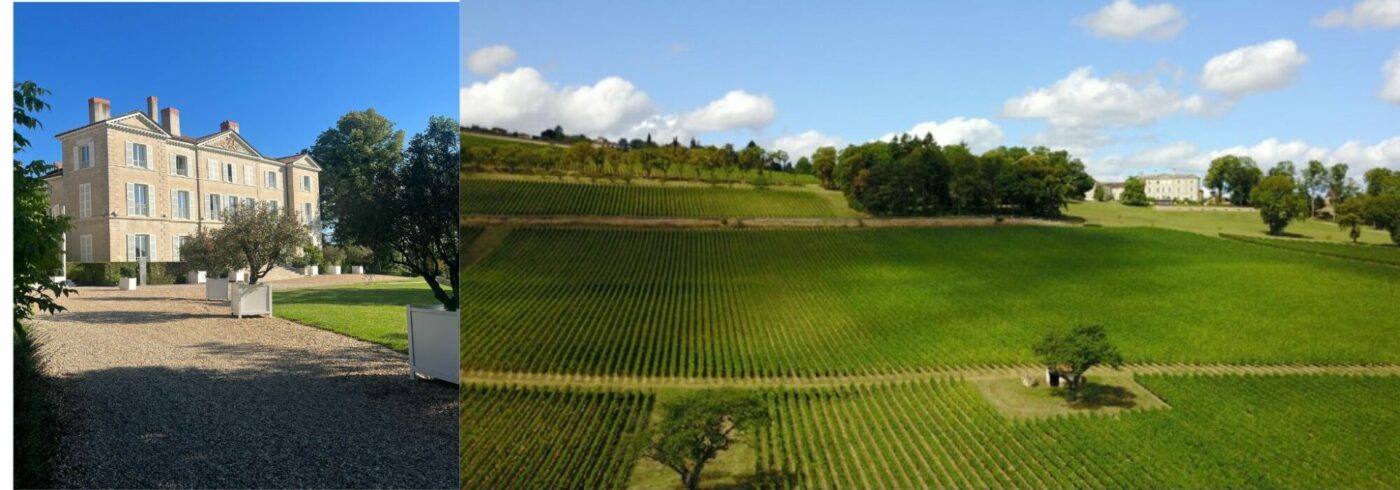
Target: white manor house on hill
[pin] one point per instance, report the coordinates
(134, 186)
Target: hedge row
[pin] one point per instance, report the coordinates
(108, 273)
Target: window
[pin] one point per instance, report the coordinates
(215, 206)
(138, 199)
(56, 210)
(213, 173)
(272, 179)
(306, 212)
(136, 154)
(180, 204)
(85, 248)
(249, 202)
(230, 173)
(247, 175)
(139, 247)
(180, 165)
(272, 205)
(175, 251)
(84, 200)
(232, 203)
(84, 156)
(306, 183)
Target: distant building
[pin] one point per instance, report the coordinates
(1173, 187)
(1115, 189)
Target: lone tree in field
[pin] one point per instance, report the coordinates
(260, 237)
(1279, 202)
(1134, 192)
(697, 426)
(1072, 354)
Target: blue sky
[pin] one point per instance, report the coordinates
(284, 72)
(1122, 84)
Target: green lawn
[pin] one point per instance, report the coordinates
(1381, 254)
(744, 303)
(374, 313)
(1211, 222)
(541, 196)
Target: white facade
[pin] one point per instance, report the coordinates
(1173, 187)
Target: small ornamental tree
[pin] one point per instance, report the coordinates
(334, 255)
(260, 237)
(1134, 192)
(697, 426)
(201, 252)
(1279, 202)
(358, 255)
(1072, 353)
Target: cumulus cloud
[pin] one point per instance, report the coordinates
(979, 134)
(490, 60)
(1187, 157)
(1268, 152)
(1124, 20)
(1390, 90)
(804, 144)
(523, 100)
(1255, 68)
(1382, 14)
(1361, 157)
(1180, 155)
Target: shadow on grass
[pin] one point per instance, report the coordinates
(1094, 396)
(269, 416)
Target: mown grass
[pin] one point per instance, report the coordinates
(1388, 254)
(744, 303)
(1221, 432)
(1211, 222)
(374, 312)
(494, 196)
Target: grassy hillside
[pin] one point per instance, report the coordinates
(1211, 223)
(538, 196)
(477, 139)
(1388, 254)
(825, 302)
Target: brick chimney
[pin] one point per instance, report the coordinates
(170, 120)
(99, 109)
(228, 126)
(152, 109)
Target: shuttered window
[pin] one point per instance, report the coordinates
(136, 155)
(85, 248)
(213, 170)
(216, 205)
(84, 200)
(247, 175)
(138, 199)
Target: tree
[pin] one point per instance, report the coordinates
(1315, 182)
(1381, 179)
(1134, 192)
(1285, 168)
(824, 165)
(407, 211)
(1072, 353)
(360, 143)
(1279, 202)
(1242, 180)
(1218, 176)
(695, 427)
(201, 252)
(38, 246)
(260, 237)
(804, 166)
(1350, 216)
(1339, 186)
(1100, 194)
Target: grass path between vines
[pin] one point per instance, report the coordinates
(971, 373)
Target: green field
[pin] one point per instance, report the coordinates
(758, 303)
(498, 196)
(1211, 222)
(1221, 432)
(371, 312)
(1381, 254)
(476, 139)
(541, 438)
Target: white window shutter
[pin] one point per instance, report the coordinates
(172, 164)
(151, 254)
(175, 249)
(130, 198)
(213, 170)
(128, 154)
(130, 248)
(248, 175)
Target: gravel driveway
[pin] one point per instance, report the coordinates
(163, 389)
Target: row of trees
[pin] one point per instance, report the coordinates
(1237, 176)
(1284, 196)
(1378, 206)
(909, 176)
(671, 161)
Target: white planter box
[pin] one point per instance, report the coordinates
(311, 270)
(357, 269)
(251, 299)
(239, 276)
(216, 289)
(195, 277)
(126, 284)
(433, 343)
(333, 270)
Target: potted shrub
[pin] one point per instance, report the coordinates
(313, 256)
(334, 257)
(212, 265)
(128, 279)
(356, 254)
(407, 206)
(257, 238)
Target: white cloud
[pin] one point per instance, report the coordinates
(1123, 20)
(1269, 152)
(523, 100)
(1362, 157)
(490, 60)
(804, 144)
(1382, 14)
(1180, 155)
(1255, 68)
(737, 109)
(1390, 91)
(979, 134)
(1186, 157)
(1083, 100)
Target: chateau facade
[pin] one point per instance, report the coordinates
(1173, 187)
(134, 186)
